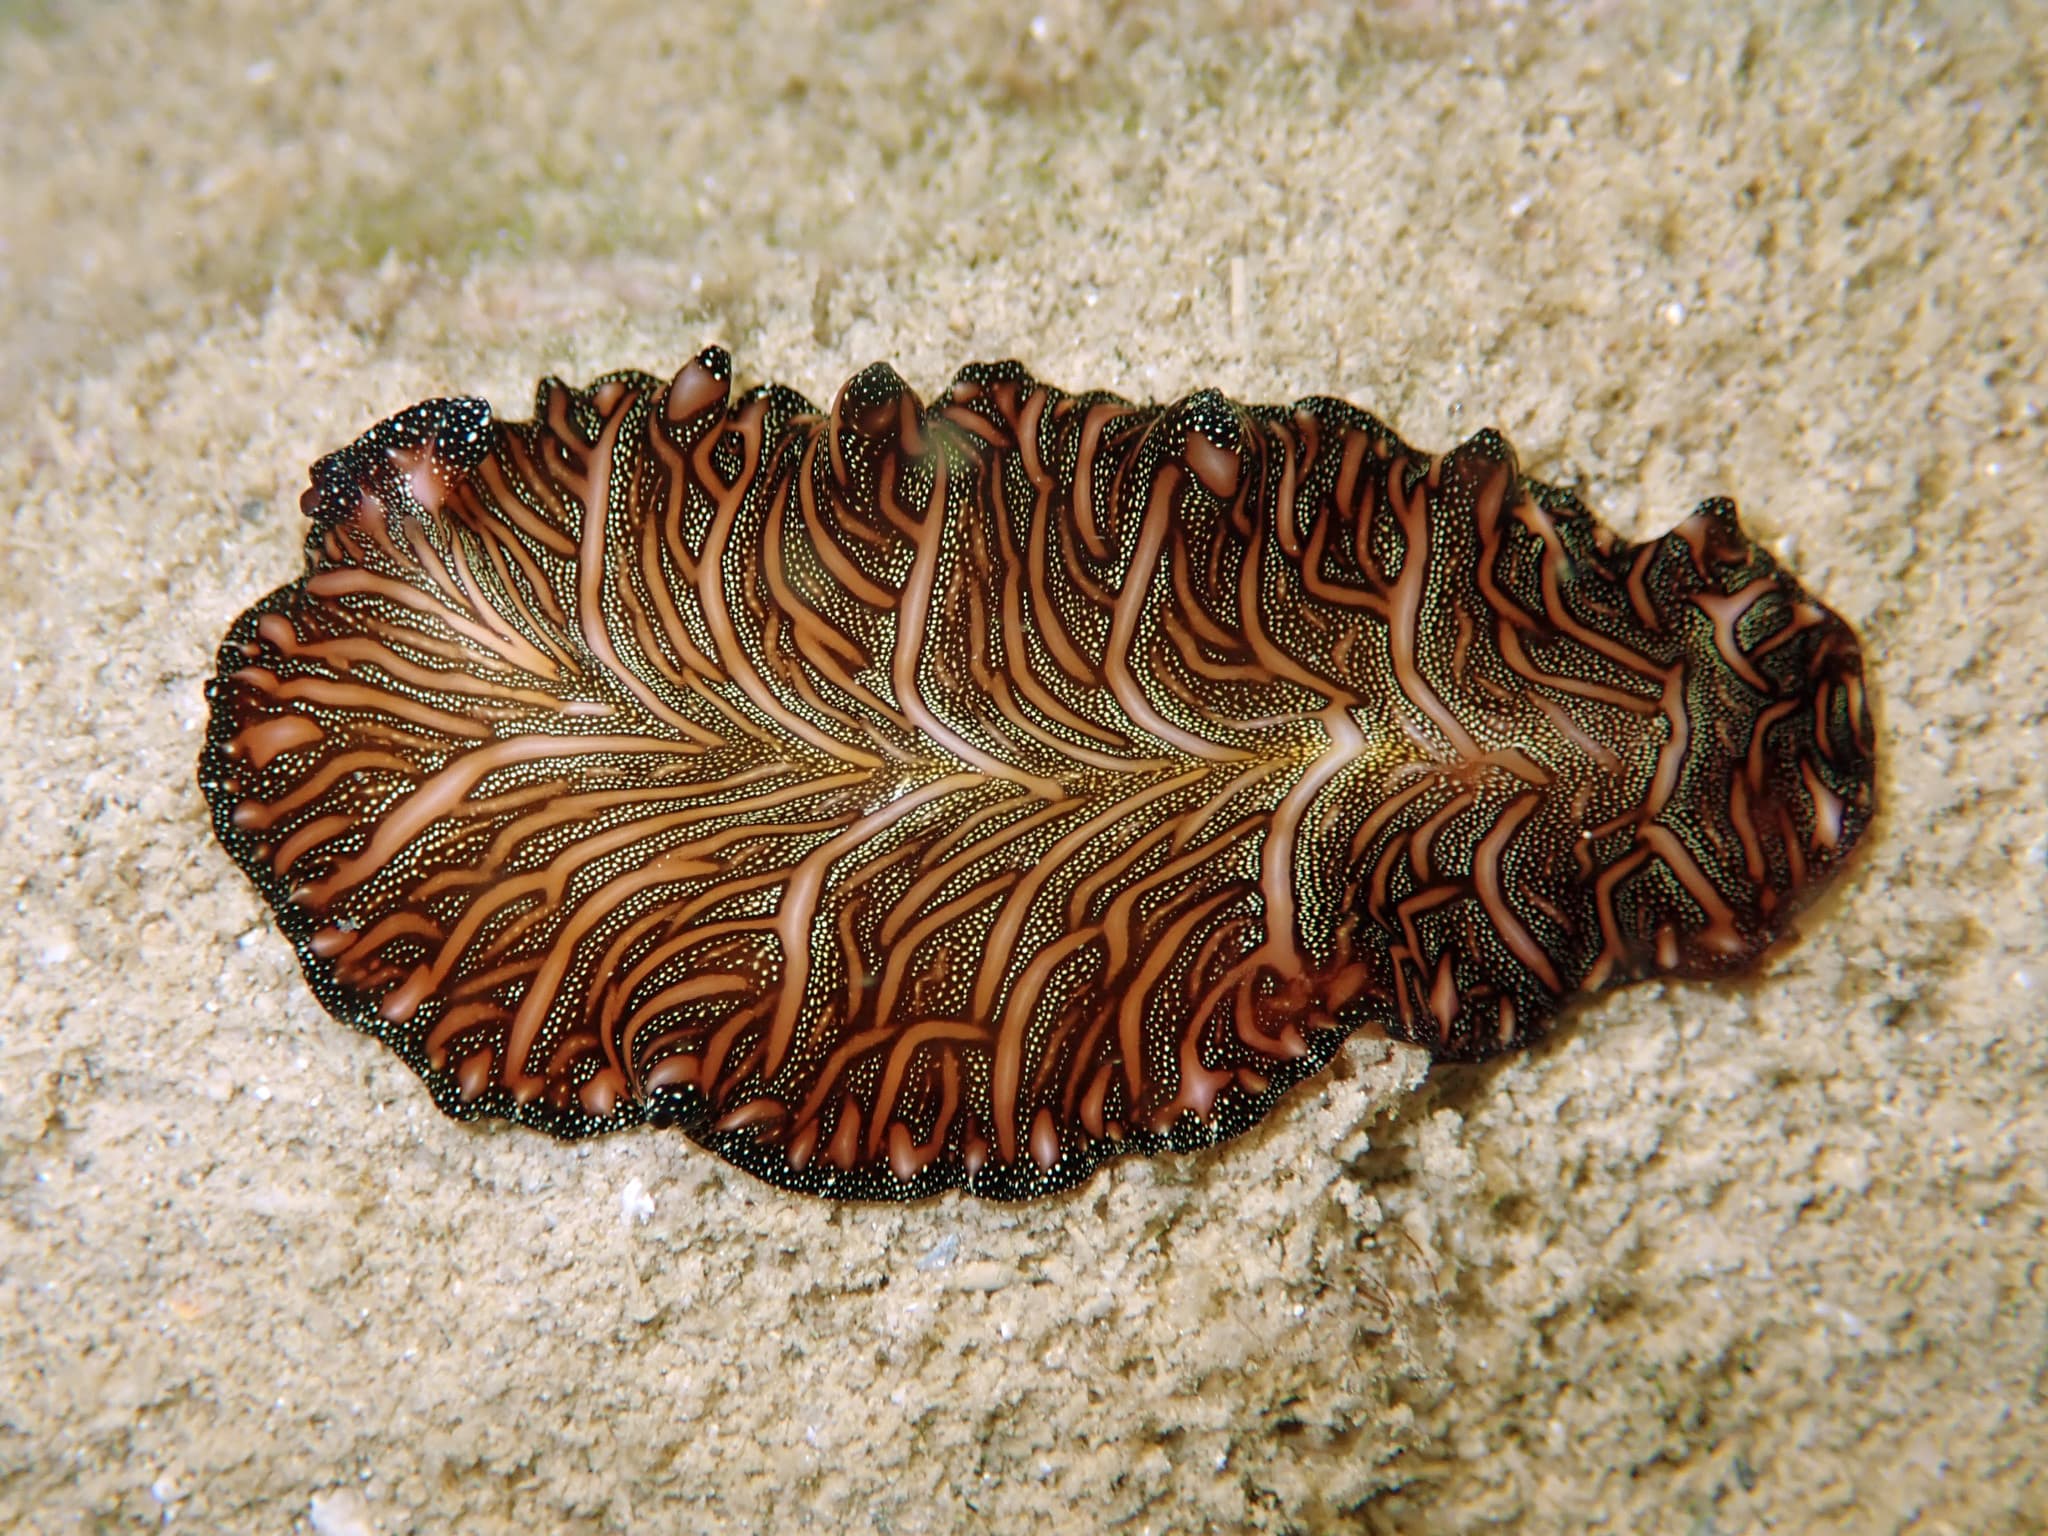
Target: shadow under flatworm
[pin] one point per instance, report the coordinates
(898, 798)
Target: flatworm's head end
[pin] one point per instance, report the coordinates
(417, 451)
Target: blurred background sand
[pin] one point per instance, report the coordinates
(1717, 1259)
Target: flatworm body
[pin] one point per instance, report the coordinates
(900, 798)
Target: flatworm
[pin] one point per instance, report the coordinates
(900, 798)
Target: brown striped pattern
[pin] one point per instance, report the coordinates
(901, 798)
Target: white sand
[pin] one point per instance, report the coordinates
(1718, 1259)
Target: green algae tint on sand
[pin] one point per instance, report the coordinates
(899, 798)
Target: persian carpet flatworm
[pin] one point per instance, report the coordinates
(897, 797)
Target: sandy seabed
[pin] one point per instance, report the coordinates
(1761, 1256)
